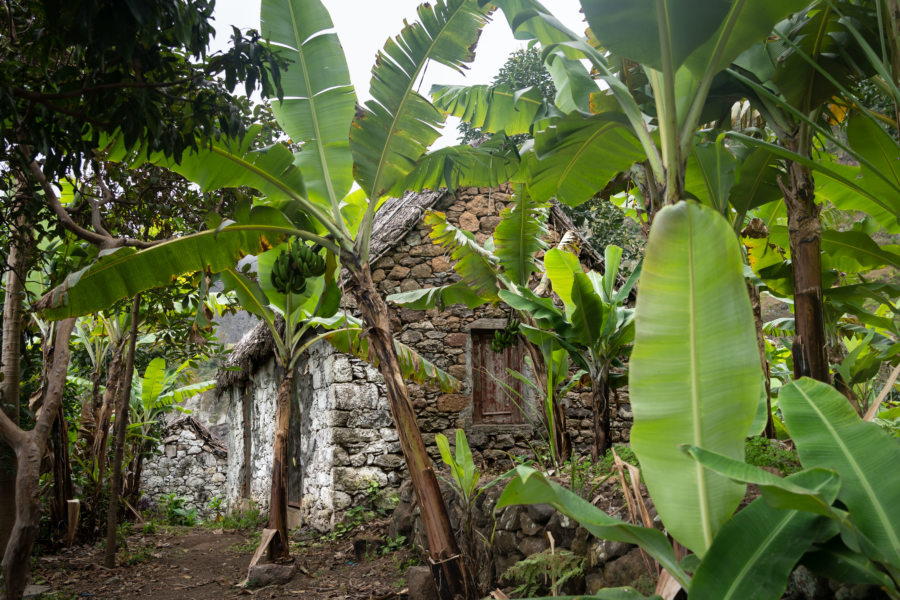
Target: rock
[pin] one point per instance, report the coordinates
(606, 550)
(35, 591)
(401, 521)
(533, 545)
(803, 584)
(624, 570)
(398, 272)
(270, 574)
(441, 264)
(502, 563)
(593, 582)
(505, 542)
(469, 222)
(528, 526)
(420, 271)
(421, 584)
(453, 402)
(457, 340)
(540, 513)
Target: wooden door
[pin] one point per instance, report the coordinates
(494, 402)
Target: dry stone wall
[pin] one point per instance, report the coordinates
(192, 465)
(443, 335)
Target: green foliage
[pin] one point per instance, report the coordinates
(548, 570)
(763, 452)
(251, 518)
(176, 513)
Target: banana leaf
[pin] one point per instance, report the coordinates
(754, 553)
(695, 370)
(319, 99)
(395, 128)
(830, 434)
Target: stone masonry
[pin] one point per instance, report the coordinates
(192, 465)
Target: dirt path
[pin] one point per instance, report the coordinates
(203, 564)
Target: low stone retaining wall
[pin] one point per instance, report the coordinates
(513, 533)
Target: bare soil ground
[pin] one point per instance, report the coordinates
(205, 564)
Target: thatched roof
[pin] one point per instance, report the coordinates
(397, 216)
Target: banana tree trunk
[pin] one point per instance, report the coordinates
(122, 405)
(16, 264)
(600, 402)
(30, 447)
(805, 231)
(447, 566)
(279, 548)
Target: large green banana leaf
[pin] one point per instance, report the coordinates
(397, 126)
(492, 108)
(476, 266)
(695, 371)
(710, 174)
(756, 550)
(635, 29)
(828, 433)
(531, 487)
(584, 307)
(319, 99)
(153, 382)
(230, 164)
(747, 23)
(460, 166)
(519, 236)
(125, 272)
(578, 155)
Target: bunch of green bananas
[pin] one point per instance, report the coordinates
(293, 266)
(506, 337)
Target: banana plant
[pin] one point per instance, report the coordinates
(693, 378)
(308, 194)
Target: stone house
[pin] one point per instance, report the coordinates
(343, 445)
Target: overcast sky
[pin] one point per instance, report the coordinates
(364, 25)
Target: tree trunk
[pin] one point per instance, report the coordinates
(124, 400)
(805, 232)
(10, 355)
(101, 434)
(600, 402)
(447, 566)
(62, 474)
(30, 447)
(280, 546)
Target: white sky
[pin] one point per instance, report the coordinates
(364, 25)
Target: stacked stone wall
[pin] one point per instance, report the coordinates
(192, 465)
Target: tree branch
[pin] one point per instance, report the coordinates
(99, 239)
